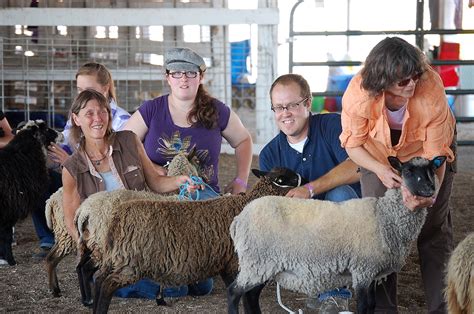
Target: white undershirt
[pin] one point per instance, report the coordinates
(395, 118)
(298, 146)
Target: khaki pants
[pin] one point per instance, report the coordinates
(435, 243)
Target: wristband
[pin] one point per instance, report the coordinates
(310, 189)
(240, 182)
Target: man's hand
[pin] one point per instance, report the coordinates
(299, 192)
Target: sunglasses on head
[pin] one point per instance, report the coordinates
(405, 82)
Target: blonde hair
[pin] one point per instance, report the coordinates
(102, 74)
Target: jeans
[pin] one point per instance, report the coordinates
(146, 288)
(341, 193)
(45, 235)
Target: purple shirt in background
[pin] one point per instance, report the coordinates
(165, 139)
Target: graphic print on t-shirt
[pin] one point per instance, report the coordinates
(169, 147)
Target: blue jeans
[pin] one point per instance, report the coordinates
(45, 235)
(341, 193)
(146, 288)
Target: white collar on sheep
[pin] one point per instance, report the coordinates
(289, 186)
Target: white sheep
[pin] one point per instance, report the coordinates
(177, 243)
(94, 212)
(460, 278)
(312, 246)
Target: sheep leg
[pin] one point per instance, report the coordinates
(52, 260)
(362, 299)
(234, 294)
(6, 239)
(251, 300)
(160, 300)
(371, 297)
(83, 281)
(108, 286)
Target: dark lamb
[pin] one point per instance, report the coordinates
(23, 178)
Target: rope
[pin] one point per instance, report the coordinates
(281, 303)
(183, 189)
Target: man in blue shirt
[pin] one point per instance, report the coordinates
(309, 144)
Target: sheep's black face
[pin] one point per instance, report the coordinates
(418, 174)
(42, 132)
(282, 177)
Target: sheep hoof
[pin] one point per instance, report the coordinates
(161, 302)
(56, 293)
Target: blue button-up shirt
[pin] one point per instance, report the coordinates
(321, 153)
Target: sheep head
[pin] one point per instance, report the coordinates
(418, 174)
(40, 131)
(184, 164)
(281, 177)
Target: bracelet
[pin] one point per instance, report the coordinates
(310, 189)
(240, 182)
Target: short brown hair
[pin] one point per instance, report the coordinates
(390, 61)
(81, 100)
(287, 79)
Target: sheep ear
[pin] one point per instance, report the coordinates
(438, 161)
(192, 153)
(259, 173)
(395, 163)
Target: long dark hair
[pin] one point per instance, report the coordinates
(204, 110)
(390, 61)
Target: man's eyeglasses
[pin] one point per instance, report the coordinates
(405, 82)
(289, 107)
(179, 74)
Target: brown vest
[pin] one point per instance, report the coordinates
(126, 160)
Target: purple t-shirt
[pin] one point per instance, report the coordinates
(165, 139)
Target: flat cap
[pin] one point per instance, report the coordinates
(184, 59)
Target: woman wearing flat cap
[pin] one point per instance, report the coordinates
(189, 117)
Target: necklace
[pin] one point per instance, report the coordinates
(98, 161)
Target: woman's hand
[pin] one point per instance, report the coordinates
(389, 177)
(162, 171)
(414, 202)
(191, 186)
(57, 153)
(236, 186)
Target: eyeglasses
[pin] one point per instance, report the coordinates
(289, 107)
(405, 82)
(178, 75)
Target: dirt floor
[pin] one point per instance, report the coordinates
(23, 288)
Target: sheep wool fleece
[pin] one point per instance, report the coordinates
(345, 262)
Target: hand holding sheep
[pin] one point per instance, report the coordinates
(413, 202)
(57, 154)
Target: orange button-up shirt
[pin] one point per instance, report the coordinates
(428, 125)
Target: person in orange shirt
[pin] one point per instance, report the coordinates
(396, 106)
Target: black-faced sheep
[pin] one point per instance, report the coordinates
(93, 215)
(177, 243)
(312, 246)
(460, 278)
(23, 178)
